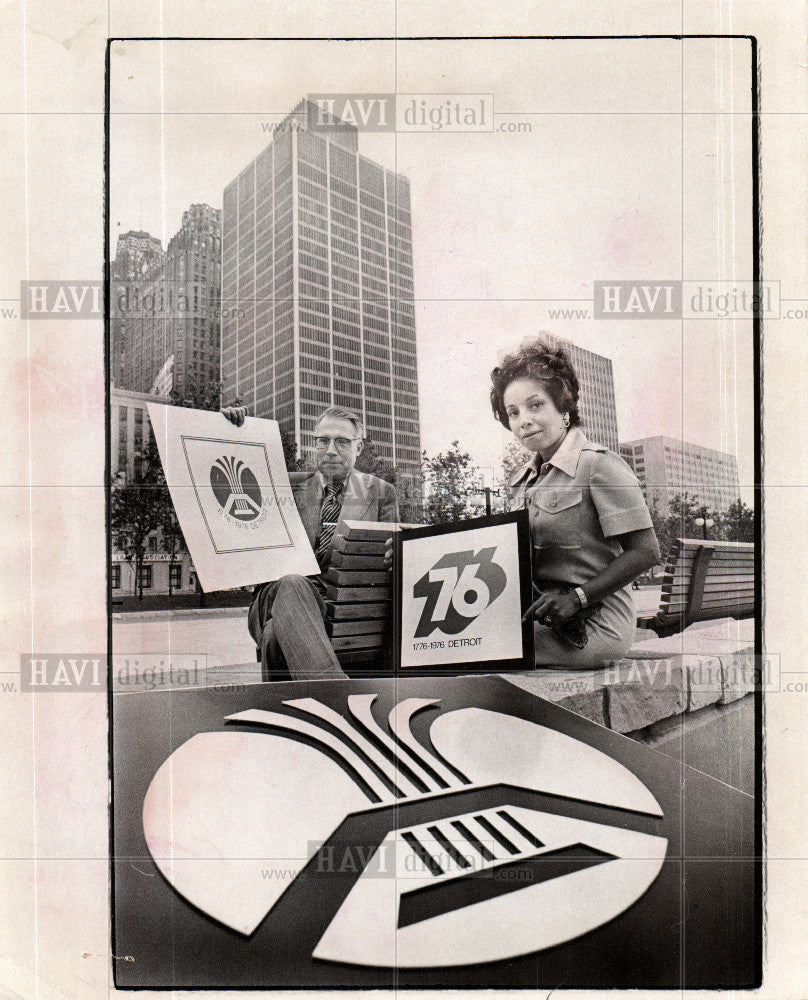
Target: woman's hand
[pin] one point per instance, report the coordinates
(235, 414)
(553, 607)
(388, 553)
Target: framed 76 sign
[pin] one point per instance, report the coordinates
(463, 590)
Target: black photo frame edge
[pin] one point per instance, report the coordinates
(519, 518)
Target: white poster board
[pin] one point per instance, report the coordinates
(462, 594)
(232, 496)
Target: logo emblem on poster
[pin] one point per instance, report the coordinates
(458, 588)
(236, 489)
(483, 837)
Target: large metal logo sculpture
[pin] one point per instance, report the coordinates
(531, 838)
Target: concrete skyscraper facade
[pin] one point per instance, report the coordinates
(138, 258)
(317, 289)
(596, 404)
(666, 466)
(174, 312)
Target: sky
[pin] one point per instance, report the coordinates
(636, 165)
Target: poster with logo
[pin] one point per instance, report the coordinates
(463, 591)
(232, 497)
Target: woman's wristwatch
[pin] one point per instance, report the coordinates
(579, 593)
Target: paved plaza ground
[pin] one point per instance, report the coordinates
(220, 634)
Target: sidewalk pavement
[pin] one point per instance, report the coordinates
(219, 634)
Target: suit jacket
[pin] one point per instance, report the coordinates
(365, 498)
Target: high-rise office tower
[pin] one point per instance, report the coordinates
(186, 322)
(175, 312)
(138, 257)
(317, 288)
(666, 466)
(596, 404)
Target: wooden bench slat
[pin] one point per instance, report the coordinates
(349, 656)
(354, 546)
(727, 593)
(357, 642)
(347, 612)
(722, 569)
(729, 566)
(737, 587)
(709, 614)
(354, 561)
(720, 544)
(371, 626)
(713, 600)
(684, 563)
(747, 601)
(352, 595)
(722, 584)
(681, 600)
(357, 578)
(687, 556)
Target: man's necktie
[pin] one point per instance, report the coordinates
(329, 516)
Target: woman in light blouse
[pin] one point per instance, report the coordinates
(590, 529)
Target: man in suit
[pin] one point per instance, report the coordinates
(287, 616)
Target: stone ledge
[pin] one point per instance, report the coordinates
(660, 679)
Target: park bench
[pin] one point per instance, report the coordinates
(358, 588)
(704, 580)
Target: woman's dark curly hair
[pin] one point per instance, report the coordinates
(545, 364)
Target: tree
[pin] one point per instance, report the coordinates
(137, 510)
(290, 456)
(368, 461)
(661, 525)
(514, 458)
(738, 522)
(450, 480)
(171, 536)
(409, 486)
(683, 510)
(170, 530)
(200, 394)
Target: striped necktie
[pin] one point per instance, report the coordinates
(329, 516)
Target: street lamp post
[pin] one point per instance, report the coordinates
(704, 522)
(485, 491)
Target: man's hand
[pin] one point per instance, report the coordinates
(388, 553)
(235, 414)
(553, 607)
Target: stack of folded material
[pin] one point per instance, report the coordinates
(358, 588)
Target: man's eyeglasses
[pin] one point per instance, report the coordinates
(341, 444)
